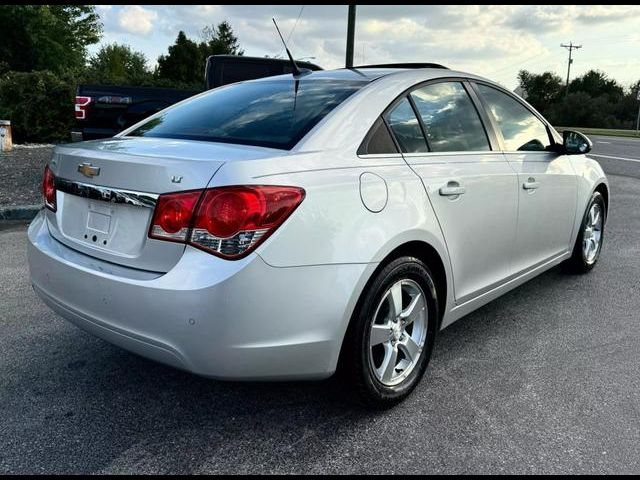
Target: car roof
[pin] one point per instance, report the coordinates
(369, 74)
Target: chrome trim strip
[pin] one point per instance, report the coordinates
(106, 194)
(380, 155)
(451, 153)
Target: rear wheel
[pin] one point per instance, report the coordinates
(391, 336)
(586, 250)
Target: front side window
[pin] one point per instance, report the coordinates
(521, 129)
(450, 120)
(271, 113)
(406, 128)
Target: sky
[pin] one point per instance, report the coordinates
(493, 41)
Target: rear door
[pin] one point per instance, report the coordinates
(547, 186)
(472, 188)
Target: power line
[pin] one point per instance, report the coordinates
(292, 30)
(295, 24)
(569, 47)
(519, 62)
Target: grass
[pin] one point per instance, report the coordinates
(612, 132)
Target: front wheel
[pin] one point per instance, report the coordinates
(391, 335)
(586, 250)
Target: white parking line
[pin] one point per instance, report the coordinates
(607, 143)
(615, 158)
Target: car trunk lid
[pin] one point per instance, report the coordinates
(107, 191)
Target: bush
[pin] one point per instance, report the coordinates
(579, 109)
(40, 105)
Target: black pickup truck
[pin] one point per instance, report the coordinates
(104, 110)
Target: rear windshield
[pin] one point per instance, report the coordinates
(265, 113)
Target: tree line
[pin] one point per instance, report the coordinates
(593, 100)
(44, 56)
(182, 66)
(55, 38)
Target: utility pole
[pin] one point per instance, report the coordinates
(351, 33)
(638, 118)
(569, 47)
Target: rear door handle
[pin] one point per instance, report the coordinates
(530, 184)
(453, 189)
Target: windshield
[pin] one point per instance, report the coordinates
(265, 113)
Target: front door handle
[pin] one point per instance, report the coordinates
(530, 184)
(453, 189)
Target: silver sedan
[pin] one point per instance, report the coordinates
(294, 227)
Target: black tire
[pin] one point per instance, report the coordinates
(578, 263)
(355, 362)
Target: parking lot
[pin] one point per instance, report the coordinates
(543, 380)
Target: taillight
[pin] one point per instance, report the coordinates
(172, 216)
(82, 104)
(228, 222)
(49, 189)
(232, 221)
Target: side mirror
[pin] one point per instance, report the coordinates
(575, 143)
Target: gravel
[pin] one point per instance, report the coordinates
(21, 174)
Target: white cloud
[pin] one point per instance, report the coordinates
(137, 20)
(495, 41)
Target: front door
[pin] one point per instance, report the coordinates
(546, 181)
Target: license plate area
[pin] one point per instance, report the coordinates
(118, 229)
(99, 219)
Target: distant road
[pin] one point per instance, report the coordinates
(617, 155)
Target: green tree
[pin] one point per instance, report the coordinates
(220, 40)
(594, 100)
(595, 83)
(579, 109)
(39, 105)
(47, 37)
(118, 64)
(184, 63)
(627, 109)
(542, 90)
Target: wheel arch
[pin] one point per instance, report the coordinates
(435, 261)
(430, 256)
(603, 189)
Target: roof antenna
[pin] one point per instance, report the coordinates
(294, 68)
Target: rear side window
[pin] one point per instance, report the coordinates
(450, 119)
(274, 114)
(378, 141)
(406, 128)
(521, 129)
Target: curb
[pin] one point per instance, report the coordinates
(19, 212)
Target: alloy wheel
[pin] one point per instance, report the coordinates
(592, 234)
(398, 332)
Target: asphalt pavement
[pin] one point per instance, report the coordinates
(545, 379)
(617, 155)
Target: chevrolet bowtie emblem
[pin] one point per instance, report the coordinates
(88, 170)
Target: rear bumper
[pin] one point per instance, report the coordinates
(239, 320)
